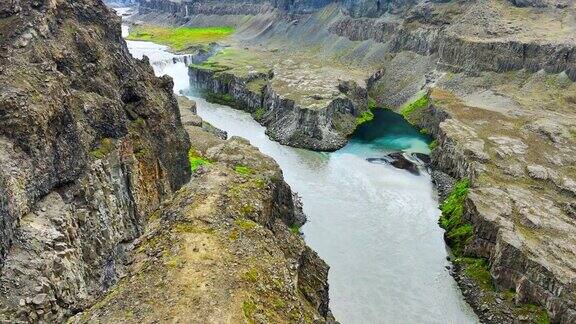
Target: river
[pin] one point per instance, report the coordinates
(375, 225)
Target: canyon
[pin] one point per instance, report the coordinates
(498, 78)
(118, 203)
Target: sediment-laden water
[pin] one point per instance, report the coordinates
(375, 225)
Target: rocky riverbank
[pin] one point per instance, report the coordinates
(315, 121)
(95, 164)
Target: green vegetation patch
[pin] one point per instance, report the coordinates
(295, 229)
(541, 315)
(259, 113)
(196, 161)
(433, 145)
(220, 98)
(106, 147)
(249, 308)
(243, 170)
(477, 269)
(190, 228)
(251, 275)
(458, 232)
(179, 38)
(371, 103)
(246, 224)
(364, 118)
(412, 109)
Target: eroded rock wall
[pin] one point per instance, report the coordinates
(324, 129)
(90, 143)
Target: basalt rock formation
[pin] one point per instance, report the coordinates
(325, 127)
(222, 249)
(93, 154)
(499, 76)
(90, 144)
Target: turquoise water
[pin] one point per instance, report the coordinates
(388, 132)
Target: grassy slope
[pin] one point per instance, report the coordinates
(179, 38)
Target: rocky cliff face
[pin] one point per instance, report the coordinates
(90, 144)
(325, 128)
(222, 249)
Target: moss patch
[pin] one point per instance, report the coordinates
(295, 229)
(106, 147)
(458, 232)
(220, 98)
(364, 118)
(249, 308)
(245, 224)
(243, 170)
(477, 269)
(196, 161)
(259, 113)
(433, 145)
(412, 110)
(179, 38)
(251, 275)
(540, 314)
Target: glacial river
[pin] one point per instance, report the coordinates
(375, 225)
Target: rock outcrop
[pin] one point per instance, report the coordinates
(90, 144)
(95, 198)
(222, 248)
(325, 126)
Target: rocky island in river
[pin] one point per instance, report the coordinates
(118, 203)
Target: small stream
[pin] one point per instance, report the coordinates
(375, 225)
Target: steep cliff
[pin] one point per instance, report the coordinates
(222, 249)
(90, 143)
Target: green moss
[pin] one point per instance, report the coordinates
(257, 85)
(173, 262)
(251, 275)
(509, 295)
(540, 314)
(364, 118)
(433, 145)
(371, 103)
(245, 224)
(234, 235)
(410, 110)
(220, 98)
(259, 113)
(477, 269)
(458, 232)
(295, 229)
(278, 303)
(246, 209)
(106, 147)
(196, 161)
(190, 228)
(249, 308)
(243, 170)
(179, 38)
